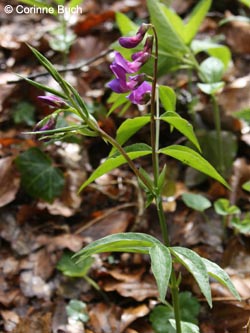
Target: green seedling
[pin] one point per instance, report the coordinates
(197, 202)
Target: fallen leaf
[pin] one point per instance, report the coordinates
(9, 181)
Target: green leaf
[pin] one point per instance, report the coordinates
(186, 327)
(221, 276)
(169, 40)
(196, 201)
(74, 3)
(159, 317)
(241, 226)
(175, 20)
(128, 128)
(114, 161)
(246, 186)
(245, 2)
(70, 268)
(120, 242)
(167, 98)
(211, 88)
(209, 146)
(212, 70)
(125, 25)
(77, 311)
(24, 113)
(243, 114)
(221, 52)
(190, 307)
(194, 264)
(222, 207)
(195, 19)
(192, 158)
(50, 68)
(43, 87)
(161, 264)
(39, 178)
(118, 100)
(182, 125)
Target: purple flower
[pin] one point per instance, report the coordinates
(143, 56)
(141, 95)
(53, 101)
(50, 125)
(120, 85)
(133, 41)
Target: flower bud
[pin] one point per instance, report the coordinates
(133, 41)
(54, 102)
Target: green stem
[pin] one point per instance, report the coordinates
(155, 133)
(217, 123)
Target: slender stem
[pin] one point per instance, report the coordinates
(217, 123)
(131, 164)
(155, 132)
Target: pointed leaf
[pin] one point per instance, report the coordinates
(128, 128)
(182, 125)
(161, 264)
(168, 98)
(113, 162)
(192, 158)
(221, 276)
(120, 242)
(125, 25)
(175, 20)
(39, 178)
(195, 265)
(169, 40)
(43, 87)
(195, 19)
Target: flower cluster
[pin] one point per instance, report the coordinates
(140, 90)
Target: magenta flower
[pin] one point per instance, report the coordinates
(141, 95)
(140, 90)
(133, 41)
(53, 101)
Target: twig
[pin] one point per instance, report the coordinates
(71, 68)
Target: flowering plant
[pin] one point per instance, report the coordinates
(162, 254)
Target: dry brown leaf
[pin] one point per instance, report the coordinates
(10, 320)
(237, 36)
(138, 290)
(9, 181)
(37, 323)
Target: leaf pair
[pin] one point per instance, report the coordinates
(161, 260)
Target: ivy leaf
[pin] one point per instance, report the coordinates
(39, 177)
